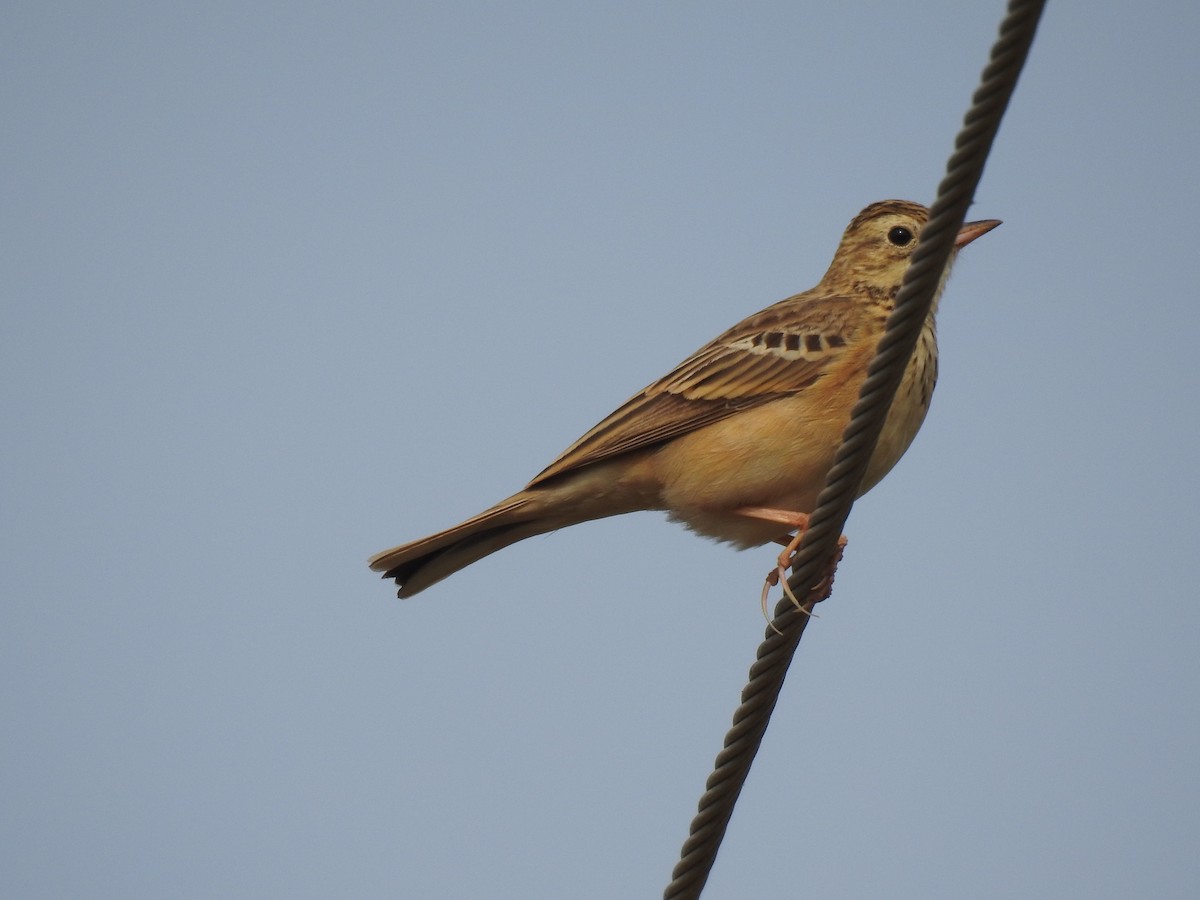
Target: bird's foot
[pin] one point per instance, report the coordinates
(778, 575)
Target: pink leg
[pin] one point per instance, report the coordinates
(792, 519)
(788, 517)
(791, 543)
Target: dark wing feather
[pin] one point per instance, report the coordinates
(778, 352)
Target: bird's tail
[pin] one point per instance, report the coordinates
(417, 565)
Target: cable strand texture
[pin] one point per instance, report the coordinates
(955, 192)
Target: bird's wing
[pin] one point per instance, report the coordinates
(778, 352)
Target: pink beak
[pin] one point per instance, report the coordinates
(972, 230)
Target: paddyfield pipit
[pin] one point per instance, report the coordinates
(734, 442)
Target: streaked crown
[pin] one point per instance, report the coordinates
(877, 245)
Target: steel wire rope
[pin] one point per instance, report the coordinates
(816, 552)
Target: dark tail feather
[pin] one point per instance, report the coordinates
(417, 565)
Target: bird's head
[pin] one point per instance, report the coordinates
(878, 244)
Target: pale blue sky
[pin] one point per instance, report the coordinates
(285, 284)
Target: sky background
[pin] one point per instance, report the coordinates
(285, 284)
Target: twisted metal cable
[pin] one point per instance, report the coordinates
(816, 552)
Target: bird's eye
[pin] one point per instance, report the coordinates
(900, 236)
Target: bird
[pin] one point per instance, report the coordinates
(736, 441)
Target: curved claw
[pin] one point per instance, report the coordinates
(778, 575)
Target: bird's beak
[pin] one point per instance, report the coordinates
(972, 230)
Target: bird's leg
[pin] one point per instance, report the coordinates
(797, 520)
(784, 562)
(791, 543)
(820, 591)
